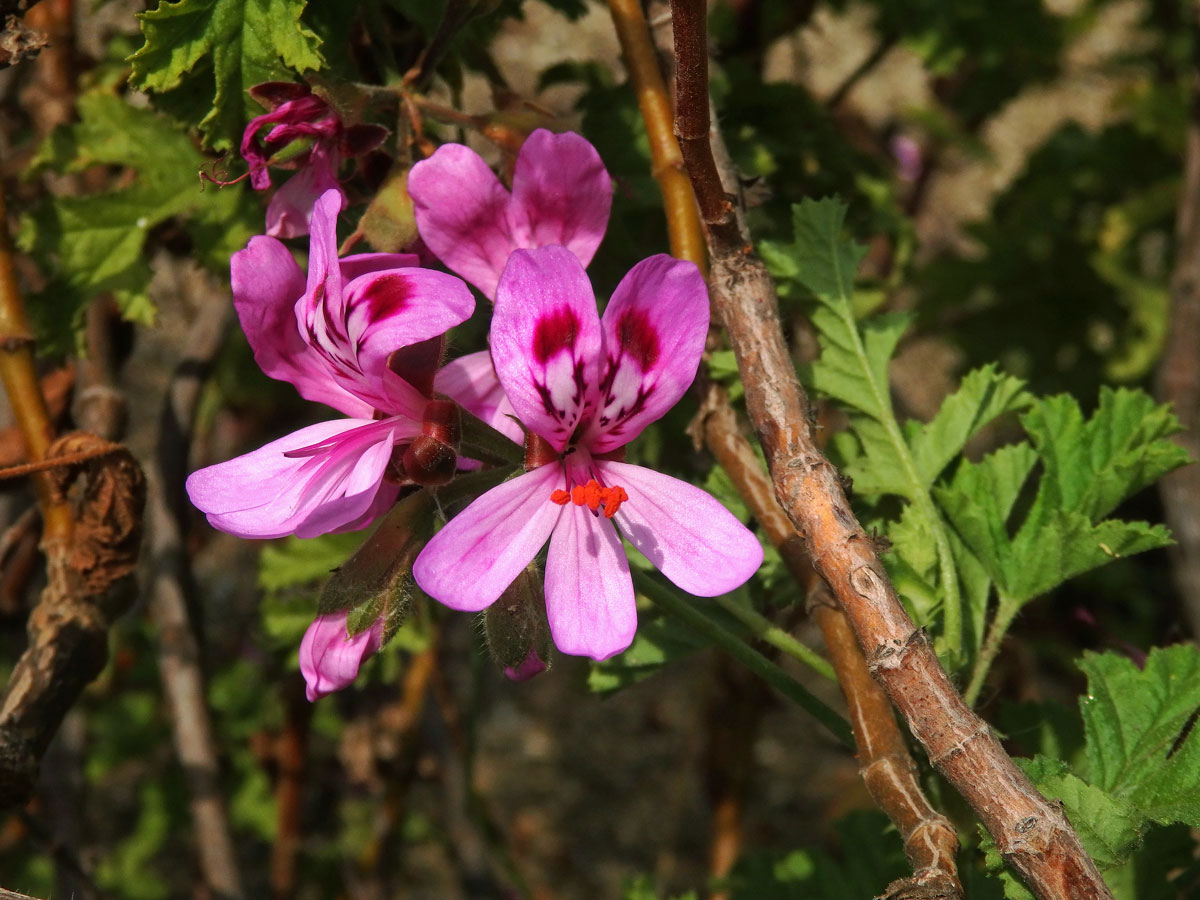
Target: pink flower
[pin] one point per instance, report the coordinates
(587, 386)
(561, 194)
(330, 658)
(296, 114)
(340, 339)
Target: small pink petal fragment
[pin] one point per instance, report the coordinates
(330, 658)
(589, 594)
(654, 332)
(468, 564)
(532, 666)
(689, 537)
(546, 341)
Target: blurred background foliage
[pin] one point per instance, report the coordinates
(1012, 170)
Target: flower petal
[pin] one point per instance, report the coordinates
(561, 194)
(469, 563)
(546, 340)
(266, 285)
(685, 533)
(654, 331)
(322, 478)
(589, 594)
(365, 263)
(330, 658)
(471, 381)
(386, 311)
(290, 209)
(461, 211)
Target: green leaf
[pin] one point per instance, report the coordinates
(94, 243)
(1087, 468)
(1141, 743)
(1141, 763)
(295, 562)
(1108, 826)
(1091, 466)
(983, 395)
(238, 43)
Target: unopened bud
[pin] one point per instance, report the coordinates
(432, 457)
(515, 627)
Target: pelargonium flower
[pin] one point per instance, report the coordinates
(340, 338)
(297, 114)
(330, 657)
(561, 194)
(586, 386)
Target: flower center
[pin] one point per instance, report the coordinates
(592, 495)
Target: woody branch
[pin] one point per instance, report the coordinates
(1032, 833)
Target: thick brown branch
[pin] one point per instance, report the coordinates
(886, 766)
(1179, 379)
(1032, 833)
(85, 591)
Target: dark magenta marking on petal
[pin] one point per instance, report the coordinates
(387, 295)
(554, 332)
(638, 337)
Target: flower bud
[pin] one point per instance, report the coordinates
(330, 657)
(533, 665)
(515, 627)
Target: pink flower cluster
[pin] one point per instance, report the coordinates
(365, 335)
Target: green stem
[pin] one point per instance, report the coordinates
(1006, 612)
(681, 609)
(766, 630)
(483, 442)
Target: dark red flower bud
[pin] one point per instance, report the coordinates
(428, 461)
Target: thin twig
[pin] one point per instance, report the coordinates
(683, 226)
(1031, 833)
(178, 651)
(19, 375)
(1179, 373)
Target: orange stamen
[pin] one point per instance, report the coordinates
(592, 495)
(616, 496)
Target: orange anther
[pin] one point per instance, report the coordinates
(614, 497)
(592, 495)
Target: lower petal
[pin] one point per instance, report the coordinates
(267, 493)
(690, 537)
(589, 594)
(468, 564)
